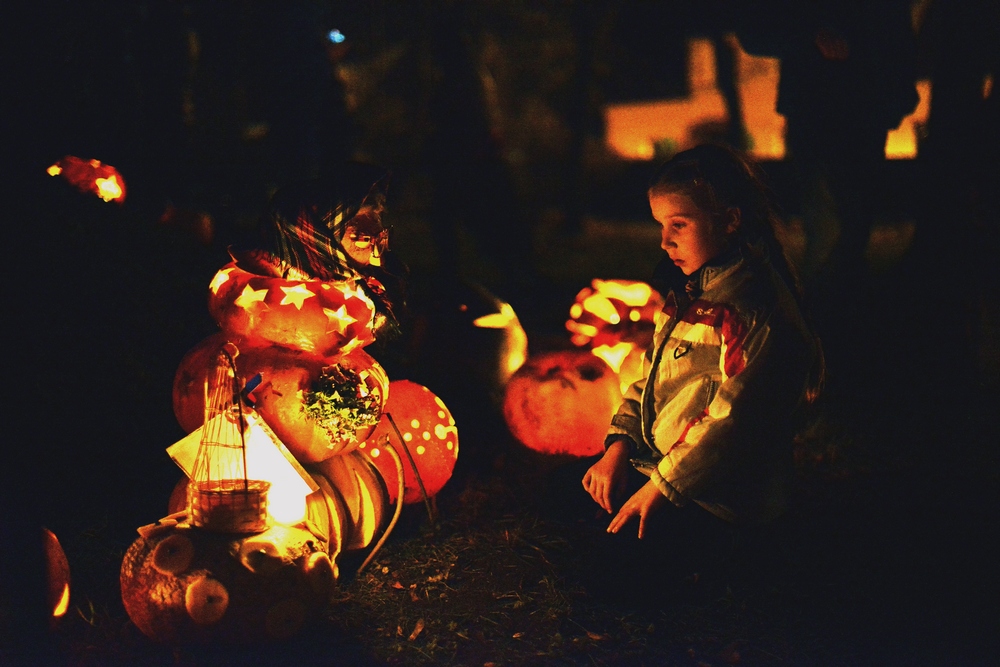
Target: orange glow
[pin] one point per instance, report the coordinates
(561, 402)
(108, 189)
(63, 603)
(600, 306)
(57, 574)
(296, 295)
(515, 345)
(614, 355)
(324, 318)
(629, 293)
(609, 311)
(268, 459)
(757, 91)
(91, 176)
(635, 129)
(901, 143)
(367, 509)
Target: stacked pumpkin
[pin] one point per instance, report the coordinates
(310, 387)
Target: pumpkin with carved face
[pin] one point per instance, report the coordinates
(561, 402)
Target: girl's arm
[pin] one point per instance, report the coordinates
(606, 479)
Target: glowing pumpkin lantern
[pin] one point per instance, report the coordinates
(91, 176)
(614, 319)
(300, 396)
(321, 317)
(428, 433)
(57, 572)
(561, 402)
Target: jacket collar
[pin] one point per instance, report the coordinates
(717, 269)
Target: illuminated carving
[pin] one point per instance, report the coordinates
(295, 295)
(91, 176)
(248, 297)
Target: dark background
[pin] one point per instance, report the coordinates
(488, 116)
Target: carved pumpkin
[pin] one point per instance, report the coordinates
(91, 176)
(561, 402)
(429, 434)
(615, 320)
(283, 397)
(321, 317)
(611, 311)
(57, 572)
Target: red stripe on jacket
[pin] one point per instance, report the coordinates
(718, 316)
(733, 328)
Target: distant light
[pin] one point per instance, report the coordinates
(335, 36)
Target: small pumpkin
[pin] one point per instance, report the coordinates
(562, 402)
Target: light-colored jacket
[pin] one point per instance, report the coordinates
(724, 382)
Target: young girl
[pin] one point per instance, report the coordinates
(732, 361)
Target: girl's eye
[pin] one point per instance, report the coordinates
(678, 225)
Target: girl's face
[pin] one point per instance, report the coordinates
(689, 234)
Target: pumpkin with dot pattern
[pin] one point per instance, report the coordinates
(429, 434)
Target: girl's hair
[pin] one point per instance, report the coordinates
(717, 178)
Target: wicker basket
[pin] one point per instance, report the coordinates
(229, 505)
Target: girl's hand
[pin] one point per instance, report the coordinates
(642, 504)
(607, 478)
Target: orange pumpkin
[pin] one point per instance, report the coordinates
(57, 571)
(429, 434)
(91, 176)
(561, 402)
(611, 311)
(320, 317)
(281, 399)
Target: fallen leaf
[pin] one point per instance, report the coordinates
(417, 629)
(396, 584)
(596, 637)
(517, 635)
